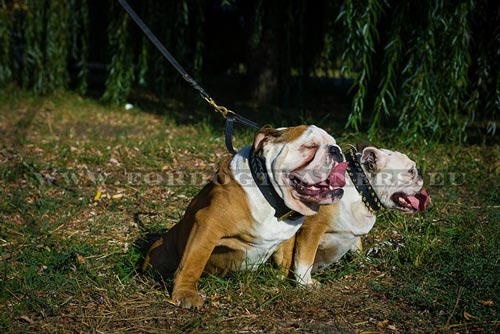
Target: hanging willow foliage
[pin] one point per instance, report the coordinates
(427, 69)
(45, 58)
(136, 60)
(418, 72)
(56, 45)
(37, 39)
(360, 19)
(79, 35)
(436, 75)
(121, 69)
(33, 29)
(5, 47)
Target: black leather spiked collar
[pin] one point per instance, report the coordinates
(360, 180)
(261, 178)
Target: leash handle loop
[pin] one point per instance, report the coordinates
(229, 133)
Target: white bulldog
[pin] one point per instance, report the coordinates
(377, 179)
(257, 200)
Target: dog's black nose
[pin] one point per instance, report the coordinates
(338, 193)
(336, 154)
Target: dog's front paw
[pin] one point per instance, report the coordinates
(188, 299)
(314, 284)
(309, 283)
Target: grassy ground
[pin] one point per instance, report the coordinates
(85, 188)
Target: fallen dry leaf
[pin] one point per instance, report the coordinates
(98, 195)
(26, 318)
(117, 196)
(487, 302)
(383, 323)
(81, 260)
(468, 316)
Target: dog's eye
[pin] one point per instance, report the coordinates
(413, 172)
(311, 146)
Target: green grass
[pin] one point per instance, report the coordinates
(80, 202)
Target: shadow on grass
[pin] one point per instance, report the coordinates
(133, 264)
(144, 242)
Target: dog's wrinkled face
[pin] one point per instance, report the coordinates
(395, 179)
(305, 165)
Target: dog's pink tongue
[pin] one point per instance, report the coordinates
(419, 201)
(337, 176)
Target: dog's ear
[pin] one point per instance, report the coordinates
(373, 158)
(364, 144)
(264, 135)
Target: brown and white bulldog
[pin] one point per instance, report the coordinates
(376, 179)
(257, 200)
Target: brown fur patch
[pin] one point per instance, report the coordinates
(291, 134)
(208, 211)
(306, 240)
(278, 136)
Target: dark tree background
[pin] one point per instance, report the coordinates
(426, 69)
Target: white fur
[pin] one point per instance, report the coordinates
(269, 231)
(353, 219)
(281, 158)
(302, 274)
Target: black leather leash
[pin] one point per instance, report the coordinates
(230, 116)
(257, 164)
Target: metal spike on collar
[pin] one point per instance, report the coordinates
(364, 188)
